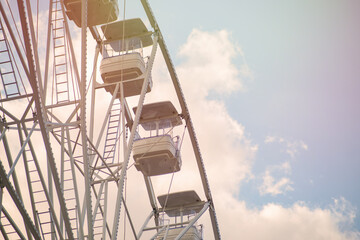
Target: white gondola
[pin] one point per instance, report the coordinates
(156, 155)
(181, 204)
(159, 154)
(123, 57)
(128, 68)
(99, 11)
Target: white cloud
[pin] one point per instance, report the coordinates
(209, 56)
(276, 185)
(273, 221)
(292, 147)
(344, 211)
(286, 167)
(279, 185)
(208, 68)
(229, 154)
(270, 186)
(270, 139)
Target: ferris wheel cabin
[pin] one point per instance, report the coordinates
(123, 56)
(183, 205)
(159, 154)
(99, 11)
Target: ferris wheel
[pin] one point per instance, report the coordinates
(74, 133)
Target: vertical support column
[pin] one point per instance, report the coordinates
(152, 198)
(105, 210)
(92, 111)
(62, 152)
(36, 57)
(1, 197)
(47, 50)
(50, 185)
(72, 163)
(83, 118)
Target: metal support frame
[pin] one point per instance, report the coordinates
(192, 222)
(48, 49)
(3, 134)
(13, 223)
(43, 184)
(144, 225)
(21, 151)
(27, 220)
(117, 87)
(10, 162)
(72, 162)
(35, 52)
(1, 197)
(41, 117)
(83, 119)
(130, 221)
(92, 108)
(105, 210)
(166, 233)
(171, 225)
(152, 199)
(97, 203)
(159, 232)
(14, 40)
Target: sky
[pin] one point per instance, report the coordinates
(272, 88)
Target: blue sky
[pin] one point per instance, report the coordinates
(305, 62)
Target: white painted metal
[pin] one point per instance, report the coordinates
(2, 134)
(21, 151)
(105, 211)
(192, 234)
(144, 224)
(193, 221)
(63, 140)
(85, 158)
(75, 185)
(159, 232)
